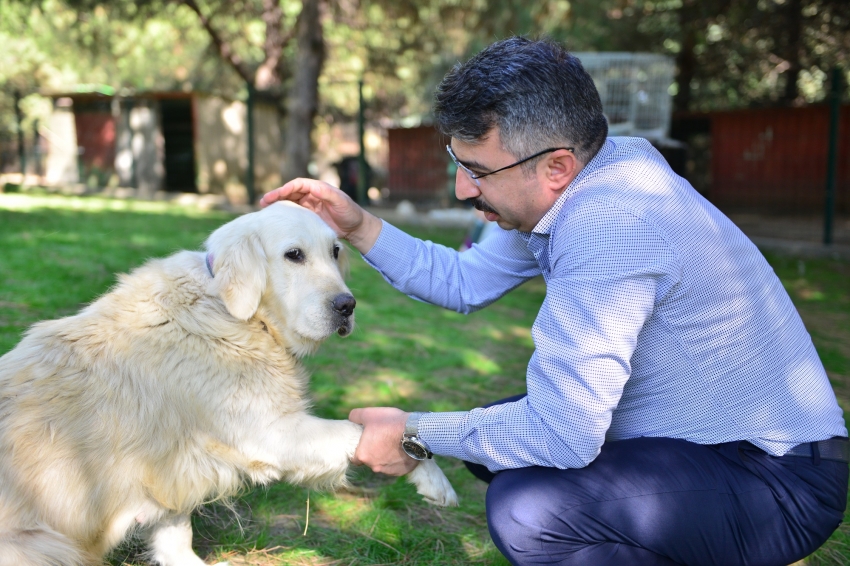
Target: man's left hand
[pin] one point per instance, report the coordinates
(380, 445)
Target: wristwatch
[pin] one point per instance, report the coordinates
(412, 445)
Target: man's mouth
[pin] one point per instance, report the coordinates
(488, 211)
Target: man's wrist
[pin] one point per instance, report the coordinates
(365, 235)
(411, 443)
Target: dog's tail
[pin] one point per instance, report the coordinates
(41, 547)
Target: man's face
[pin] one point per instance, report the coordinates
(511, 198)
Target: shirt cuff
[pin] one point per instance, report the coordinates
(441, 432)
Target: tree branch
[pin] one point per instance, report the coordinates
(224, 48)
(268, 74)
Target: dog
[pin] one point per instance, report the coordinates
(179, 386)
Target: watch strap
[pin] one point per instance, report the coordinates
(411, 427)
(411, 443)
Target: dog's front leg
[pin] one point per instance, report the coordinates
(432, 484)
(170, 542)
(316, 452)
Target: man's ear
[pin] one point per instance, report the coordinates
(562, 167)
(239, 266)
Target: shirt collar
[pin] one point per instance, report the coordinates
(544, 227)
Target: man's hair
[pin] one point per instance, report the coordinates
(535, 91)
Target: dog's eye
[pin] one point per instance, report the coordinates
(295, 255)
(336, 252)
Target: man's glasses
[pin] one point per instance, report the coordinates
(475, 176)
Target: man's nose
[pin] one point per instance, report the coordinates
(465, 188)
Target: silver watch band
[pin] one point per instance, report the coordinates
(411, 427)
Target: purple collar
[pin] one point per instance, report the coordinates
(209, 261)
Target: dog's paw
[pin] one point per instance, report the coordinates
(432, 484)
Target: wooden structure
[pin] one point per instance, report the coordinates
(162, 141)
(776, 159)
(418, 163)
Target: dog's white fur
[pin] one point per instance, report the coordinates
(175, 388)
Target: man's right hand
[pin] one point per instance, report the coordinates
(336, 208)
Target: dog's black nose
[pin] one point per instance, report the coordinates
(344, 304)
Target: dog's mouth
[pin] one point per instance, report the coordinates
(346, 326)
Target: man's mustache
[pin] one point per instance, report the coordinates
(479, 204)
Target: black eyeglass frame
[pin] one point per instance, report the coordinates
(475, 177)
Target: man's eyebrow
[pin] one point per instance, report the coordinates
(473, 165)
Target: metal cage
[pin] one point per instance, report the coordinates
(635, 91)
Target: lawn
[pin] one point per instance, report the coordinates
(59, 253)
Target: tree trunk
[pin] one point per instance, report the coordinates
(793, 31)
(304, 94)
(685, 59)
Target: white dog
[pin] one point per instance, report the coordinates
(177, 387)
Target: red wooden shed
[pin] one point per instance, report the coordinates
(417, 163)
(776, 159)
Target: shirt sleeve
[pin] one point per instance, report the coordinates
(606, 277)
(463, 282)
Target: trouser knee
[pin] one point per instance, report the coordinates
(530, 526)
(516, 516)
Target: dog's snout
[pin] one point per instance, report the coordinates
(344, 304)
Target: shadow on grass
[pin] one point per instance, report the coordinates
(379, 520)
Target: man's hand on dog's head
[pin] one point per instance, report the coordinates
(380, 445)
(335, 207)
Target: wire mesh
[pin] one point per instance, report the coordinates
(635, 91)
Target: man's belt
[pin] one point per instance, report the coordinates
(837, 448)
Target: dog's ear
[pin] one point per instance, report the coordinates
(238, 263)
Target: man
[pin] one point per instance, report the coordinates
(676, 409)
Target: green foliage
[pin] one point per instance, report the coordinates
(730, 53)
(47, 47)
(50, 46)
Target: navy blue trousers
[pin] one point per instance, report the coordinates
(662, 501)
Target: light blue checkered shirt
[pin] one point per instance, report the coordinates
(660, 319)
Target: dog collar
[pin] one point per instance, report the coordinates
(209, 262)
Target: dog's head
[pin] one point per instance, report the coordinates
(285, 265)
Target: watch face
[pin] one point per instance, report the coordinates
(414, 449)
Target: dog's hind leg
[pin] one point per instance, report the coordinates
(41, 547)
(170, 542)
(432, 484)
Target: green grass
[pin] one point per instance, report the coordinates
(820, 290)
(59, 253)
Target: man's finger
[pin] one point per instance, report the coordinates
(294, 190)
(356, 416)
(270, 197)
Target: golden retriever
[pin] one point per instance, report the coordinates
(177, 387)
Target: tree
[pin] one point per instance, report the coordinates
(733, 53)
(266, 76)
(304, 95)
(253, 38)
